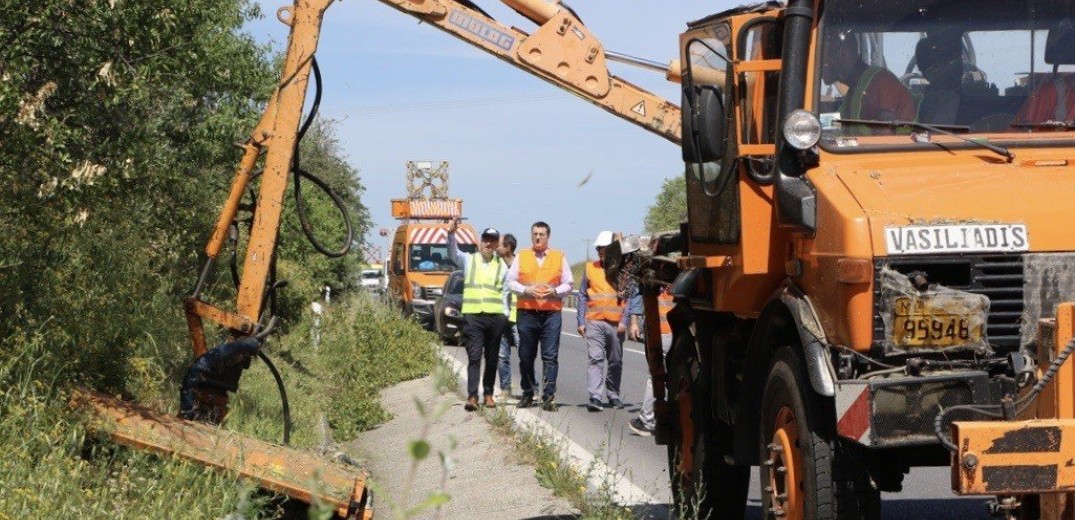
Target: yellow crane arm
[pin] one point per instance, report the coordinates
(561, 51)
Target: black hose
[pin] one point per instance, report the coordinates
(337, 201)
(996, 410)
(300, 207)
(1023, 403)
(286, 410)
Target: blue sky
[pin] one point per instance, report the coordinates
(518, 146)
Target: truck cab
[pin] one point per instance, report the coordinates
(878, 197)
(420, 264)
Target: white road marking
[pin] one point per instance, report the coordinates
(598, 473)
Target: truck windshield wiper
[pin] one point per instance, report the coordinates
(949, 130)
(1056, 125)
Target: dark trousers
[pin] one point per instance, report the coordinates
(481, 333)
(539, 327)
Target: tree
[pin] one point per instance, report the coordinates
(670, 207)
(118, 118)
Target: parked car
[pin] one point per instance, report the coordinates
(448, 321)
(372, 280)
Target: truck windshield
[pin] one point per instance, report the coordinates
(434, 257)
(994, 67)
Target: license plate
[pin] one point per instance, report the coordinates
(925, 323)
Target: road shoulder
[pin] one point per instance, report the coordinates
(484, 479)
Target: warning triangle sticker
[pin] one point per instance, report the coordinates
(640, 108)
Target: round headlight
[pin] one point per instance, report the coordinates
(802, 130)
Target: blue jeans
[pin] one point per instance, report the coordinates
(539, 327)
(507, 341)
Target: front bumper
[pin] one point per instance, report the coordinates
(899, 411)
(423, 312)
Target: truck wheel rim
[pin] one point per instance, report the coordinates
(785, 468)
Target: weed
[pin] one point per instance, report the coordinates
(52, 467)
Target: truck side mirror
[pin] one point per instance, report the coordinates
(703, 124)
(397, 268)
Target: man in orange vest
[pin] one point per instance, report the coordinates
(540, 277)
(603, 324)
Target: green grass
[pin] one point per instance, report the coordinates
(53, 468)
(365, 347)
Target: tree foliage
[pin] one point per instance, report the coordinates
(118, 118)
(670, 207)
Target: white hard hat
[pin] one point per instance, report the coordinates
(603, 239)
(630, 244)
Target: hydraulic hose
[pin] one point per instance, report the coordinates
(285, 409)
(300, 207)
(996, 410)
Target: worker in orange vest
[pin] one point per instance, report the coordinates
(540, 277)
(603, 324)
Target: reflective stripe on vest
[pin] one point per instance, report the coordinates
(548, 273)
(601, 302)
(665, 304)
(483, 291)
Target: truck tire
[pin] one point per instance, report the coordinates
(805, 472)
(703, 486)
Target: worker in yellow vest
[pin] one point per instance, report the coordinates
(602, 323)
(483, 310)
(510, 338)
(646, 421)
(540, 277)
(874, 93)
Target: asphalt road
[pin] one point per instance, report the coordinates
(927, 493)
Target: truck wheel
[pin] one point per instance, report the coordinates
(805, 473)
(703, 486)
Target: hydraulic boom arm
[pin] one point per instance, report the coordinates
(561, 51)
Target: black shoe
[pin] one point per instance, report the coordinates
(615, 403)
(595, 405)
(548, 403)
(639, 428)
(526, 401)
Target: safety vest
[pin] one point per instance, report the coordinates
(601, 301)
(852, 107)
(513, 307)
(549, 272)
(1053, 100)
(483, 290)
(665, 304)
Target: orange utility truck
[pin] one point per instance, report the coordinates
(419, 260)
(876, 258)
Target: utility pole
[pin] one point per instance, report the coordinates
(587, 241)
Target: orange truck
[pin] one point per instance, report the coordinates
(876, 263)
(419, 262)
